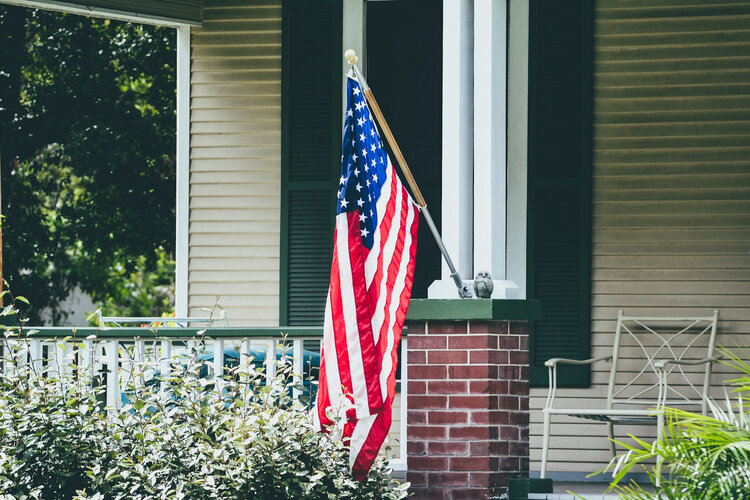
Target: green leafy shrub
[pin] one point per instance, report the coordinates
(181, 436)
(705, 457)
(47, 440)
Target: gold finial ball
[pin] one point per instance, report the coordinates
(351, 56)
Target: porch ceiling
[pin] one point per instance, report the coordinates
(169, 11)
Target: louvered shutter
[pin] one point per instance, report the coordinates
(560, 186)
(311, 135)
(185, 11)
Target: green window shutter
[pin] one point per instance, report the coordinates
(312, 69)
(560, 170)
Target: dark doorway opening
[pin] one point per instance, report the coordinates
(404, 70)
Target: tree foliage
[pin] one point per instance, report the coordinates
(146, 290)
(87, 152)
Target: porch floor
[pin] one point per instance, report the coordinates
(576, 490)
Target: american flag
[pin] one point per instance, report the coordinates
(375, 243)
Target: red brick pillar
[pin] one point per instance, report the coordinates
(468, 407)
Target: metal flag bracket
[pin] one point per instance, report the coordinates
(465, 289)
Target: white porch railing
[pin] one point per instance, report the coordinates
(116, 355)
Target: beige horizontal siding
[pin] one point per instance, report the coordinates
(394, 434)
(236, 160)
(671, 188)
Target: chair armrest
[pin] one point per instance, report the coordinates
(551, 363)
(663, 362)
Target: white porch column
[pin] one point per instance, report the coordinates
(353, 37)
(518, 112)
(183, 171)
(490, 181)
(458, 149)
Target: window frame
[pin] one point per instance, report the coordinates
(182, 133)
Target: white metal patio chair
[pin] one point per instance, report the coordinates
(650, 368)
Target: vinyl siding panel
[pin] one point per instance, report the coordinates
(236, 161)
(671, 188)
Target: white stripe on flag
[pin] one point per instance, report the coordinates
(362, 428)
(349, 306)
(371, 264)
(398, 288)
(333, 380)
(359, 437)
(390, 244)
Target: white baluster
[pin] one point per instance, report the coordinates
(218, 360)
(99, 358)
(113, 386)
(86, 358)
(139, 360)
(126, 369)
(61, 358)
(298, 360)
(8, 365)
(404, 399)
(22, 354)
(22, 357)
(245, 357)
(140, 351)
(35, 348)
(165, 362)
(270, 361)
(193, 347)
(56, 368)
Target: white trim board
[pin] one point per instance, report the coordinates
(100, 12)
(182, 209)
(517, 161)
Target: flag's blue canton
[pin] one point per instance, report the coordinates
(363, 164)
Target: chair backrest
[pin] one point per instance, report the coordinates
(642, 341)
(218, 319)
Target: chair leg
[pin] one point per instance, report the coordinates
(611, 432)
(659, 458)
(545, 444)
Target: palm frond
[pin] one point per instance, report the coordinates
(705, 456)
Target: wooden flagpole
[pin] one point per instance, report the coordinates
(464, 290)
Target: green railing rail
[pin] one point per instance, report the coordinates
(166, 332)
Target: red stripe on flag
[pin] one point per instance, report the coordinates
(375, 440)
(393, 268)
(384, 227)
(403, 306)
(370, 356)
(339, 327)
(324, 400)
(382, 425)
